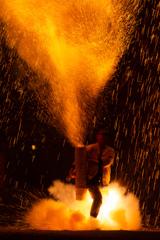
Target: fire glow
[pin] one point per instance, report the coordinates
(73, 46)
(118, 210)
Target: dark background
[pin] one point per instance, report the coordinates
(129, 105)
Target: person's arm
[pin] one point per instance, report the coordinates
(108, 157)
(90, 152)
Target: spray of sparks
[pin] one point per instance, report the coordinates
(134, 115)
(75, 46)
(117, 211)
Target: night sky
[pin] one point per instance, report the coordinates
(36, 153)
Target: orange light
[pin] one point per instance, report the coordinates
(117, 211)
(75, 46)
(33, 147)
(109, 203)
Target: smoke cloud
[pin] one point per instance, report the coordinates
(63, 212)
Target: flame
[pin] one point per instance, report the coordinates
(109, 203)
(118, 211)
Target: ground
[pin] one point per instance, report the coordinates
(25, 234)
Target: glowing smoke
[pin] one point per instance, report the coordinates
(118, 211)
(74, 46)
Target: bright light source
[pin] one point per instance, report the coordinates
(109, 203)
(33, 147)
(118, 211)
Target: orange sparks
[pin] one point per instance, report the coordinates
(74, 46)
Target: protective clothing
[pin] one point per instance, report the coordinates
(107, 158)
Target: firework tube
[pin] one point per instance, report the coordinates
(81, 172)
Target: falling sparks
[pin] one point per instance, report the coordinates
(135, 106)
(134, 116)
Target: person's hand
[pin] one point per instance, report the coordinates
(68, 179)
(72, 173)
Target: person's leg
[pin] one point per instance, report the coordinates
(97, 200)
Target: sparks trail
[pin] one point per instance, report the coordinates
(140, 68)
(75, 57)
(136, 124)
(15, 203)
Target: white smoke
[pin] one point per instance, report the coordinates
(118, 211)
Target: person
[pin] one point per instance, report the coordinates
(100, 157)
